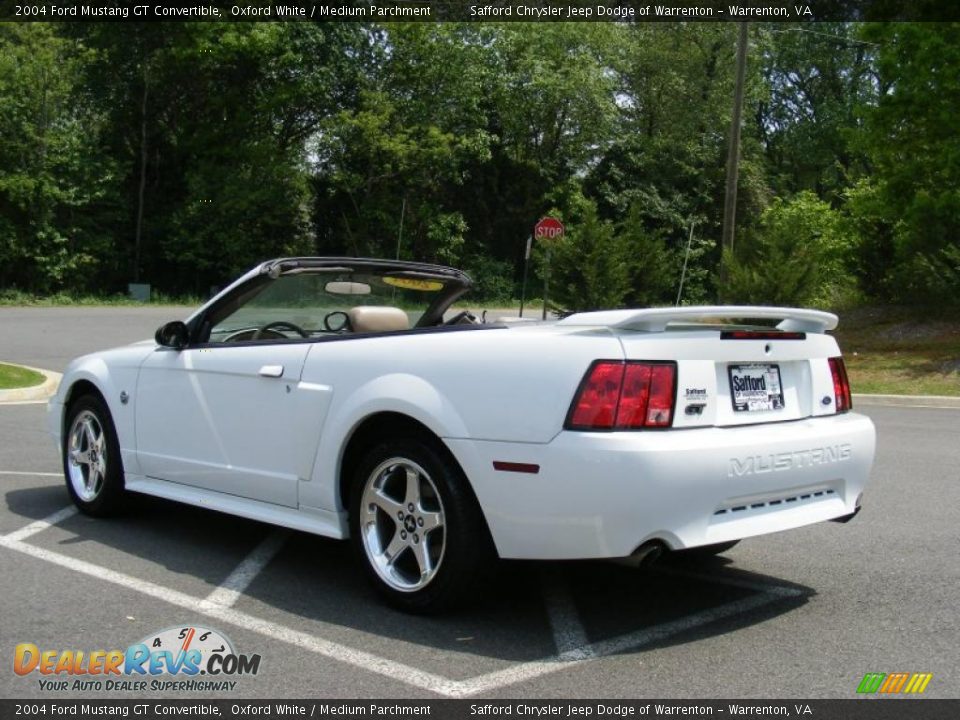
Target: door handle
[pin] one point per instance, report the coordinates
(272, 371)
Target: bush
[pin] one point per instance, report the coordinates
(797, 255)
(492, 279)
(587, 267)
(654, 270)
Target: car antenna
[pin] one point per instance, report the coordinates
(686, 256)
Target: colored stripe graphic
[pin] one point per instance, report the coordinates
(871, 682)
(893, 683)
(918, 683)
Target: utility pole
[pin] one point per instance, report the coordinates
(733, 153)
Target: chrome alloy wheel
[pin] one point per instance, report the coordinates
(87, 456)
(402, 524)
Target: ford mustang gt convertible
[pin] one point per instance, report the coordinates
(354, 398)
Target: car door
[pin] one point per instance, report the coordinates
(233, 418)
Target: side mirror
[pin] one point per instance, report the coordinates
(173, 335)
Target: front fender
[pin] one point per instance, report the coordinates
(110, 377)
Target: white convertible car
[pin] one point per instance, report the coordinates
(344, 397)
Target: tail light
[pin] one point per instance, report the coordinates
(841, 385)
(617, 395)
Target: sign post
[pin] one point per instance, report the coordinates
(526, 264)
(545, 230)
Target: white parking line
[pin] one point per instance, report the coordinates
(568, 633)
(647, 636)
(629, 641)
(511, 676)
(245, 573)
(573, 645)
(40, 525)
(357, 658)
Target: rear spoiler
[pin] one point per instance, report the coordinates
(657, 319)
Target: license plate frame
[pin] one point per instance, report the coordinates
(763, 394)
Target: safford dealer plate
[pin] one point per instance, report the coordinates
(755, 387)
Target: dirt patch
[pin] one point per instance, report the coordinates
(950, 366)
(917, 331)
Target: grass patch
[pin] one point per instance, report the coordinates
(12, 377)
(15, 298)
(889, 352)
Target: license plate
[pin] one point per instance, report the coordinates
(756, 387)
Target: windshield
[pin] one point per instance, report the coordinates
(316, 302)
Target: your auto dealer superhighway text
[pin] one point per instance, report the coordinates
(560, 710)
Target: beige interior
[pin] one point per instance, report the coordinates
(378, 318)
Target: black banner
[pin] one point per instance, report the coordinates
(853, 709)
(490, 11)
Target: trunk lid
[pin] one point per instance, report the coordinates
(732, 375)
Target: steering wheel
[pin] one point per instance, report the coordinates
(464, 317)
(261, 333)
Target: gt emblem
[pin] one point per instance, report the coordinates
(694, 409)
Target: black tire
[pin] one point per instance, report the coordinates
(104, 495)
(466, 553)
(707, 551)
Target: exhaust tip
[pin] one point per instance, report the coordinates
(645, 555)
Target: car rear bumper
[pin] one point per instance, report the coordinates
(605, 494)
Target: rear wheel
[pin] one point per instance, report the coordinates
(416, 526)
(91, 458)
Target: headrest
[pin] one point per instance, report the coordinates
(378, 318)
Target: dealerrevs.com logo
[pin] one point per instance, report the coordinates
(170, 660)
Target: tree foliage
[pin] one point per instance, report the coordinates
(912, 136)
(180, 153)
(587, 268)
(797, 254)
(51, 178)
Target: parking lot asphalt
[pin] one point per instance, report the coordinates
(799, 614)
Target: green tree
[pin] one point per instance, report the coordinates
(653, 268)
(796, 255)
(912, 136)
(587, 268)
(389, 171)
(209, 125)
(817, 81)
(50, 175)
(667, 158)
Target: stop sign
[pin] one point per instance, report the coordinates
(548, 229)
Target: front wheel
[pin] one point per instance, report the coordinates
(416, 527)
(91, 458)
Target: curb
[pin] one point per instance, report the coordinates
(937, 401)
(36, 393)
